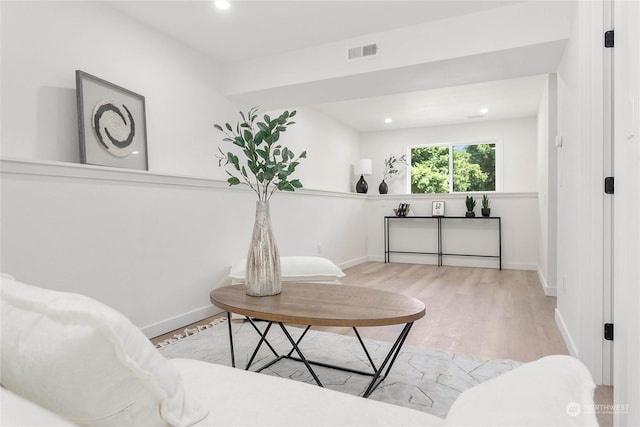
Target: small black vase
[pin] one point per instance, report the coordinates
(362, 186)
(470, 214)
(383, 188)
(486, 211)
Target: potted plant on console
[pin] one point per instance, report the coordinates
(486, 210)
(266, 167)
(471, 204)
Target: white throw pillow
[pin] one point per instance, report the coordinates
(297, 269)
(87, 362)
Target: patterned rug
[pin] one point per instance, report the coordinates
(422, 379)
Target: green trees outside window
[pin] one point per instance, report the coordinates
(471, 168)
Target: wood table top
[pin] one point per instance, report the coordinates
(322, 305)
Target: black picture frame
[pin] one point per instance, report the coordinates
(112, 126)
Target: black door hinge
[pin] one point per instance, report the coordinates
(608, 185)
(608, 38)
(608, 331)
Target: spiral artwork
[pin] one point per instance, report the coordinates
(114, 127)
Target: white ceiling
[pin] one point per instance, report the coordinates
(257, 28)
(504, 99)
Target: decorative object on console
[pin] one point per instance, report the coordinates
(383, 188)
(471, 204)
(267, 167)
(437, 208)
(363, 168)
(111, 124)
(391, 170)
(403, 209)
(486, 210)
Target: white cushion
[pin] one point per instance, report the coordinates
(18, 411)
(87, 362)
(297, 269)
(552, 391)
(252, 399)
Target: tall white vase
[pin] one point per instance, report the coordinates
(263, 261)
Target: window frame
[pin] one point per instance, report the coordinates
(498, 162)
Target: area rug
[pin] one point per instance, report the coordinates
(422, 379)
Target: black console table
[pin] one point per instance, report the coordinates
(441, 220)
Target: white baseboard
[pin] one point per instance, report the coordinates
(457, 263)
(550, 291)
(353, 262)
(566, 336)
(179, 321)
(519, 266)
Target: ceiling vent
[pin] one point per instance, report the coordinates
(363, 51)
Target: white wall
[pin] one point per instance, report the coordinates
(626, 207)
(547, 197)
(43, 43)
(515, 159)
(331, 147)
(153, 246)
(580, 188)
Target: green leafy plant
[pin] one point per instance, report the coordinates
(391, 165)
(485, 202)
(267, 166)
(471, 204)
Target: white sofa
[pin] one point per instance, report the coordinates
(88, 365)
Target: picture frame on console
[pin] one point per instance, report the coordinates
(437, 208)
(111, 124)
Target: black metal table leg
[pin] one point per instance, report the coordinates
(263, 334)
(304, 359)
(233, 358)
(299, 339)
(263, 338)
(392, 355)
(373, 365)
(377, 375)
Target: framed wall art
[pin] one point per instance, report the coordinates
(111, 124)
(437, 208)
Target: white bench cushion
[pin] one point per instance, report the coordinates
(296, 269)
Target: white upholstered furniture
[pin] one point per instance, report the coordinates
(87, 364)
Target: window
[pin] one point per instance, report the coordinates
(472, 167)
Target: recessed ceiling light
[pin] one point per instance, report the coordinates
(388, 120)
(484, 110)
(222, 4)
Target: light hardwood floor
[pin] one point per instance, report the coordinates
(487, 313)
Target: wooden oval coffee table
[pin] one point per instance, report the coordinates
(323, 305)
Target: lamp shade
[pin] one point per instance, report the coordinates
(364, 167)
